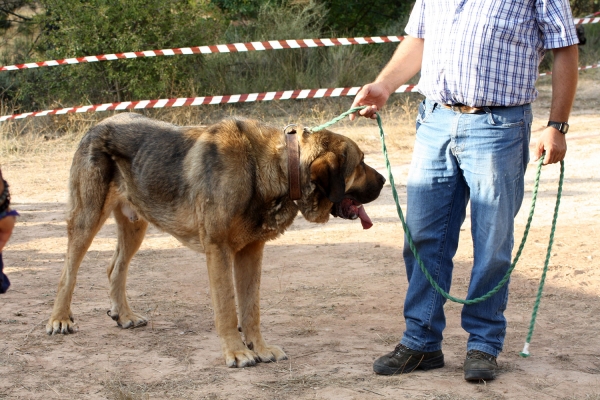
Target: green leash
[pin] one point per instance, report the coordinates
(504, 280)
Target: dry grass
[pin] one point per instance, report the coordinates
(28, 136)
(307, 329)
(387, 340)
(330, 320)
(121, 388)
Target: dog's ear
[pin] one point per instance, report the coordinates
(326, 173)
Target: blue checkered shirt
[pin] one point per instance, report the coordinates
(487, 52)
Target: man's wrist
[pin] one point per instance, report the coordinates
(562, 127)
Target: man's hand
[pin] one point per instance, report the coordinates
(6, 227)
(554, 143)
(373, 95)
(564, 84)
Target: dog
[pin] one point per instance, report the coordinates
(222, 190)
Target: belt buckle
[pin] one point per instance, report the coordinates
(464, 109)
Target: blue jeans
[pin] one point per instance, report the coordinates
(459, 158)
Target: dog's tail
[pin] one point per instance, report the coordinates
(117, 135)
(91, 175)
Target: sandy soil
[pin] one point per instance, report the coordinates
(331, 297)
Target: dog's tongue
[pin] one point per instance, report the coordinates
(352, 209)
(364, 218)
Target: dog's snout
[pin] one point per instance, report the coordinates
(381, 179)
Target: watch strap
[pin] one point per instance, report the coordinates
(562, 127)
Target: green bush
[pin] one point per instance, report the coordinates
(590, 52)
(73, 28)
(306, 68)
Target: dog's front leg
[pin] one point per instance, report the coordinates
(219, 262)
(247, 270)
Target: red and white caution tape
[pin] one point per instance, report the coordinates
(219, 48)
(230, 48)
(579, 69)
(236, 98)
(196, 101)
(581, 21)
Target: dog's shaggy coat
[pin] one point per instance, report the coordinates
(221, 190)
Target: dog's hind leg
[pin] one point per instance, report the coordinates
(130, 234)
(247, 271)
(90, 204)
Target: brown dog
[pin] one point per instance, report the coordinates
(222, 190)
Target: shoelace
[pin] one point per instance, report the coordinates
(400, 349)
(480, 355)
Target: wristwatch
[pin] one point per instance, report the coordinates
(563, 127)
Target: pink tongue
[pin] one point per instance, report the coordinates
(364, 218)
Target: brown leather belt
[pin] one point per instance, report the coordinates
(463, 109)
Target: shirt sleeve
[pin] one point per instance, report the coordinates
(555, 20)
(416, 22)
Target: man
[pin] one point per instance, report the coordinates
(479, 63)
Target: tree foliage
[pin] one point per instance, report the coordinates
(74, 28)
(365, 17)
(239, 10)
(581, 8)
(9, 13)
(358, 17)
(35, 30)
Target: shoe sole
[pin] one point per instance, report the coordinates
(479, 375)
(431, 363)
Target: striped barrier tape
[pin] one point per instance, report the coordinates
(219, 48)
(581, 21)
(196, 101)
(230, 48)
(236, 98)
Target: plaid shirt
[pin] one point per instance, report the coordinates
(487, 52)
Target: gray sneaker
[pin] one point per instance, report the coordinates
(404, 360)
(480, 366)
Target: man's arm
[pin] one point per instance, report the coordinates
(405, 63)
(564, 85)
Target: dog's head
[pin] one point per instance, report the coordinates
(340, 181)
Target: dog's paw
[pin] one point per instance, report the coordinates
(270, 353)
(241, 358)
(61, 325)
(127, 320)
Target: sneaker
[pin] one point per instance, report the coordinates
(404, 360)
(480, 366)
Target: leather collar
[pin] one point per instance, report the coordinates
(293, 150)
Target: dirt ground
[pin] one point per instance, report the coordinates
(332, 297)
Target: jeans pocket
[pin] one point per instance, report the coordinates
(510, 117)
(423, 113)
